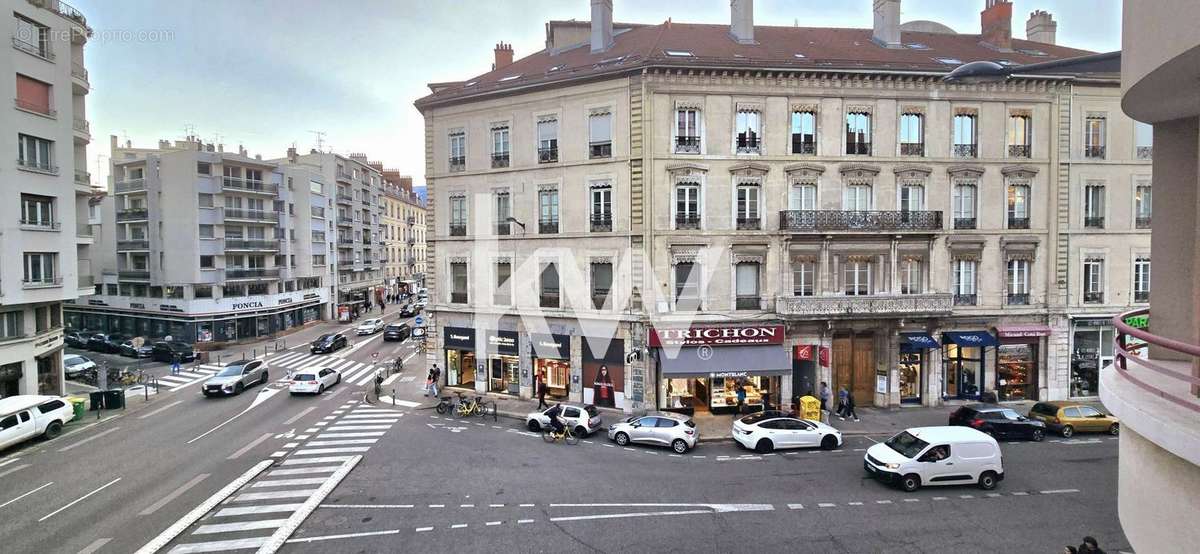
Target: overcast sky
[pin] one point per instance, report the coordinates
(264, 73)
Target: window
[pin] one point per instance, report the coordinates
(964, 206)
(1093, 136)
(1093, 280)
(601, 283)
(748, 126)
(747, 207)
(39, 268)
(912, 197)
(316, 188)
(1020, 136)
(910, 276)
(858, 133)
(687, 131)
(964, 282)
(857, 198)
(548, 297)
(35, 153)
(204, 200)
(600, 134)
(202, 291)
(503, 212)
(1142, 205)
(1018, 282)
(458, 150)
(547, 131)
(687, 206)
(601, 208)
(803, 197)
(458, 282)
(37, 211)
(1018, 206)
(502, 296)
(912, 134)
(206, 262)
(500, 146)
(458, 216)
(1141, 279)
(687, 287)
(965, 145)
(856, 277)
(746, 287)
(1093, 206)
(547, 211)
(804, 132)
(33, 38)
(33, 95)
(1143, 140)
(12, 325)
(804, 278)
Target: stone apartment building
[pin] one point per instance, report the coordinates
(403, 228)
(772, 207)
(45, 238)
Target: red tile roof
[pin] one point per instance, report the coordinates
(822, 48)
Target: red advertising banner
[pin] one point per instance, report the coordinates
(803, 352)
(823, 356)
(717, 336)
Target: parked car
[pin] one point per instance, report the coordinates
(770, 430)
(145, 351)
(952, 455)
(25, 416)
(664, 429)
(420, 303)
(313, 380)
(327, 343)
(583, 420)
(163, 351)
(999, 422)
(234, 378)
(109, 343)
(75, 365)
(409, 310)
(77, 339)
(369, 326)
(396, 331)
(1065, 418)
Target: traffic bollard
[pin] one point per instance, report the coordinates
(393, 396)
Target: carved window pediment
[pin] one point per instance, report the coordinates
(965, 171)
(804, 170)
(909, 171)
(1019, 171)
(687, 169)
(749, 169)
(859, 170)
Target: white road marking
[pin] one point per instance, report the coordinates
(352, 535)
(289, 482)
(278, 454)
(993, 494)
(272, 495)
(340, 428)
(367, 506)
(628, 515)
(303, 470)
(89, 439)
(966, 496)
(26, 494)
(78, 500)
(297, 417)
(380, 415)
(795, 506)
(424, 529)
(883, 501)
(11, 460)
(912, 499)
(172, 496)
(252, 510)
(240, 526)
(490, 523)
(522, 521)
(218, 546)
(367, 376)
(527, 505)
(458, 526)
(351, 435)
(855, 503)
(716, 508)
(96, 545)
(261, 397)
(342, 442)
(162, 409)
(466, 505)
(495, 505)
(341, 450)
(437, 505)
(247, 448)
(1020, 493)
(939, 498)
(1058, 491)
(322, 460)
(826, 505)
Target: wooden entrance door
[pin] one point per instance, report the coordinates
(854, 366)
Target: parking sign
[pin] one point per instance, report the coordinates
(419, 320)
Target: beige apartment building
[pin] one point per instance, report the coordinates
(403, 228)
(773, 207)
(45, 238)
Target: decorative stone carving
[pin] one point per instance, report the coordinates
(965, 171)
(1019, 171)
(803, 170)
(859, 170)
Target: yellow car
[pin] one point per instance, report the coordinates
(1066, 418)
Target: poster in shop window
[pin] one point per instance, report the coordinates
(603, 372)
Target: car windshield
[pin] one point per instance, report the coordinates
(324, 338)
(230, 371)
(907, 444)
(304, 377)
(181, 346)
(759, 416)
(74, 361)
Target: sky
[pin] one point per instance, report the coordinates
(267, 73)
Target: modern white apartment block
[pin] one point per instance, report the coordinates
(44, 235)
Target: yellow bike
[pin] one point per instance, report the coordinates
(550, 435)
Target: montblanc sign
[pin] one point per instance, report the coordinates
(717, 336)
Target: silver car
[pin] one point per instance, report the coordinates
(673, 430)
(235, 377)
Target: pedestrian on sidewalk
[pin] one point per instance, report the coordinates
(741, 397)
(175, 359)
(1089, 546)
(428, 381)
(841, 405)
(540, 383)
(824, 392)
(850, 406)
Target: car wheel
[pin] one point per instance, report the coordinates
(53, 429)
(580, 432)
(910, 482)
(680, 446)
(1037, 435)
(1114, 429)
(764, 446)
(238, 389)
(263, 380)
(987, 481)
(1067, 431)
(622, 439)
(534, 426)
(321, 389)
(292, 392)
(829, 442)
(338, 381)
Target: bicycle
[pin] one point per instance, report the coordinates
(550, 435)
(444, 405)
(397, 365)
(471, 407)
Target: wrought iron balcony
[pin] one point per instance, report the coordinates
(458, 298)
(251, 273)
(1018, 299)
(912, 149)
(965, 150)
(1093, 222)
(249, 185)
(964, 223)
(548, 300)
(1145, 152)
(500, 160)
(83, 178)
(130, 185)
(687, 145)
(133, 244)
(749, 224)
(1143, 222)
(687, 221)
(1020, 151)
(856, 306)
(748, 144)
(1141, 296)
(601, 223)
(251, 244)
(800, 146)
(598, 150)
(965, 299)
(133, 274)
(748, 303)
(80, 72)
(251, 215)
(1093, 297)
(1018, 222)
(458, 163)
(1093, 152)
(797, 221)
(548, 155)
(345, 264)
(343, 175)
(41, 51)
(458, 229)
(134, 214)
(858, 148)
(548, 227)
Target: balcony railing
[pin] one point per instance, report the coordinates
(687, 145)
(345, 264)
(251, 244)
(251, 273)
(749, 223)
(748, 303)
(1093, 297)
(601, 223)
(1141, 296)
(42, 283)
(1020, 151)
(1018, 222)
(1143, 222)
(854, 306)
(687, 221)
(249, 185)
(458, 229)
(133, 244)
(748, 145)
(345, 220)
(344, 175)
(548, 300)
(1145, 152)
(840, 220)
(598, 150)
(83, 178)
(134, 274)
(912, 149)
(1155, 377)
(40, 225)
(1018, 299)
(549, 227)
(38, 165)
(1093, 222)
(547, 155)
(136, 214)
(964, 223)
(457, 163)
(965, 299)
(86, 281)
(66, 10)
(1093, 152)
(43, 109)
(802, 147)
(130, 185)
(458, 298)
(252, 215)
(79, 72)
(858, 148)
(343, 198)
(41, 51)
(965, 150)
(503, 228)
(500, 160)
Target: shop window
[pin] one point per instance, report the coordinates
(1016, 372)
(49, 375)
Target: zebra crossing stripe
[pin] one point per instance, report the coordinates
(370, 374)
(352, 372)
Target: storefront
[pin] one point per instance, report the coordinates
(10, 379)
(914, 355)
(504, 367)
(604, 372)
(552, 362)
(1018, 361)
(702, 369)
(497, 364)
(459, 356)
(1091, 349)
(963, 359)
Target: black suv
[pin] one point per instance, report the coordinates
(166, 351)
(410, 310)
(76, 339)
(396, 331)
(998, 421)
(328, 343)
(108, 343)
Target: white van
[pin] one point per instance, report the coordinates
(936, 456)
(26, 416)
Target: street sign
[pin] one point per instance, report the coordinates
(419, 321)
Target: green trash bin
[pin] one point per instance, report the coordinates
(114, 399)
(80, 406)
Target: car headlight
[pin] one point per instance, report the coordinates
(893, 466)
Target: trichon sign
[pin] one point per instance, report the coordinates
(751, 335)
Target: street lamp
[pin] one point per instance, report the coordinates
(511, 219)
(985, 71)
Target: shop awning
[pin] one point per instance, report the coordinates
(1022, 331)
(724, 361)
(918, 341)
(970, 338)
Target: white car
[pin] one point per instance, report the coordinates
(771, 430)
(936, 456)
(26, 416)
(74, 364)
(370, 326)
(583, 420)
(314, 380)
(664, 429)
(421, 303)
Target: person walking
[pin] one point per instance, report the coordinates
(824, 396)
(175, 360)
(841, 406)
(428, 381)
(1089, 546)
(540, 383)
(850, 406)
(741, 397)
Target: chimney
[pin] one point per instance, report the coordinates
(602, 30)
(887, 24)
(995, 24)
(1041, 27)
(741, 21)
(291, 154)
(504, 56)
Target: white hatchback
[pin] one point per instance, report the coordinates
(370, 326)
(314, 380)
(936, 456)
(582, 420)
(74, 364)
(771, 430)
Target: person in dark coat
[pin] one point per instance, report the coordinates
(540, 383)
(1090, 546)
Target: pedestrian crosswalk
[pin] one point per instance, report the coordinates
(358, 373)
(177, 381)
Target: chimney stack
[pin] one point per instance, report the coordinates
(995, 23)
(1041, 27)
(602, 28)
(741, 21)
(887, 24)
(504, 56)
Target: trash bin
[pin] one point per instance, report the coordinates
(79, 405)
(97, 400)
(810, 408)
(114, 399)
